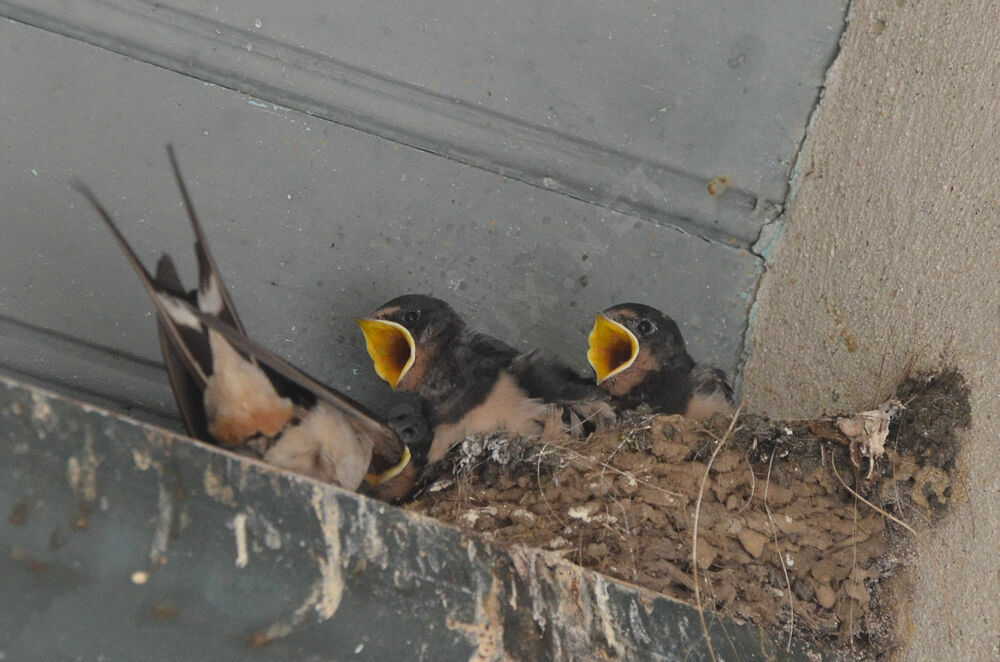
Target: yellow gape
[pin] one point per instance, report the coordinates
(613, 348)
(391, 347)
(377, 479)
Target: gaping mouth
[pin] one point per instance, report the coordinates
(613, 348)
(391, 347)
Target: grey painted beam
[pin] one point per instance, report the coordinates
(634, 109)
(123, 542)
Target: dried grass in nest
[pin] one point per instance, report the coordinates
(790, 535)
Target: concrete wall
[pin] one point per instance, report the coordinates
(891, 260)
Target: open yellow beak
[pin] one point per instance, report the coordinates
(375, 480)
(391, 347)
(613, 348)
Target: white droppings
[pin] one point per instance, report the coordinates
(42, 410)
(81, 471)
(638, 629)
(472, 516)
(583, 513)
(140, 577)
(331, 582)
(557, 543)
(164, 518)
(374, 545)
(537, 599)
(522, 515)
(607, 626)
(141, 459)
(216, 489)
(272, 537)
(240, 529)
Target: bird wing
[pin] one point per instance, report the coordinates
(387, 446)
(187, 347)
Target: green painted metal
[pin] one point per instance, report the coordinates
(122, 541)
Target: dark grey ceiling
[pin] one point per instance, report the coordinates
(530, 162)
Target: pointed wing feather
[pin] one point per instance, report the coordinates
(212, 295)
(168, 306)
(185, 386)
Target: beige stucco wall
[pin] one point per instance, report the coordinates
(891, 259)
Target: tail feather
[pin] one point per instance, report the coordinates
(212, 295)
(172, 310)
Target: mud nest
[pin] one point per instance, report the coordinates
(782, 522)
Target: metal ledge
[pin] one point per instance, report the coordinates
(121, 541)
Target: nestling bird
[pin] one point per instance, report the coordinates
(639, 357)
(235, 393)
(472, 383)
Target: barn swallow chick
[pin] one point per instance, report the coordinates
(232, 392)
(472, 383)
(639, 357)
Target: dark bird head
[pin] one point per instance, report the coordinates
(631, 340)
(403, 335)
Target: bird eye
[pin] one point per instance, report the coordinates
(411, 316)
(644, 327)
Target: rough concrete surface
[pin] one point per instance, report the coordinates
(890, 262)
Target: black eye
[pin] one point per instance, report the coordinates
(411, 316)
(644, 327)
